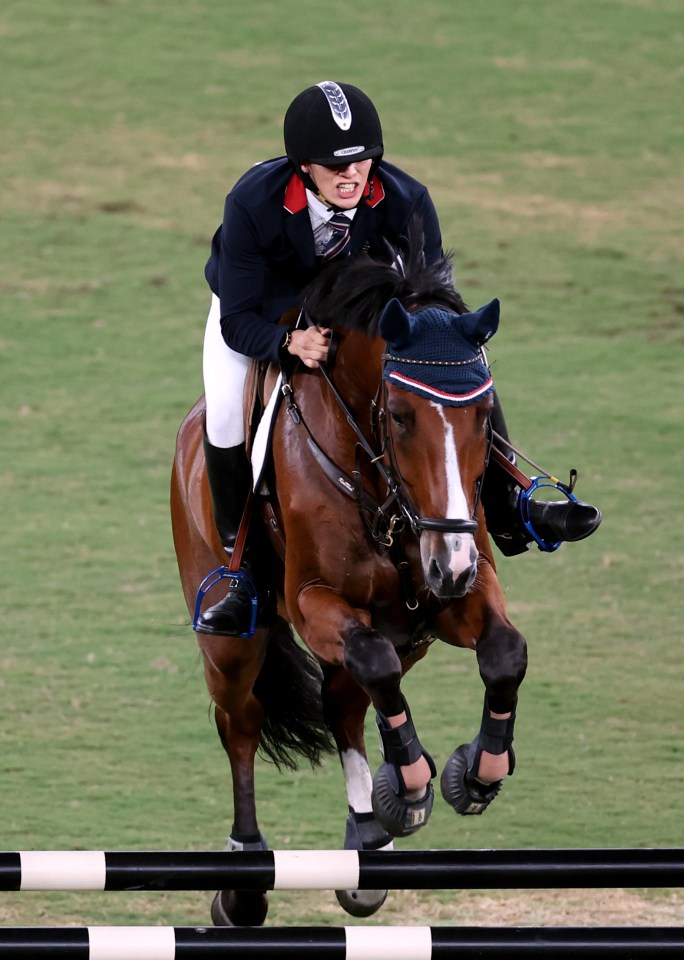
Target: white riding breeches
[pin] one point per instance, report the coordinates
(224, 382)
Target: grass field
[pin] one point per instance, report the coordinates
(551, 136)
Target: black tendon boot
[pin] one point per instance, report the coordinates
(230, 478)
(568, 520)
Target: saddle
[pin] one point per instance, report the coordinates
(260, 383)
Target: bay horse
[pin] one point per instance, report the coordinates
(379, 546)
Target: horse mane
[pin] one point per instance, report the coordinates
(354, 291)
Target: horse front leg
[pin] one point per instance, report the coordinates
(402, 794)
(345, 705)
(473, 774)
(231, 668)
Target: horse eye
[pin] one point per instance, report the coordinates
(397, 419)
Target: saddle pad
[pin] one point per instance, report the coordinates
(262, 438)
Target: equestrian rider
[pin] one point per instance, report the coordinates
(332, 195)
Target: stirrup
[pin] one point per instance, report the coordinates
(238, 578)
(524, 498)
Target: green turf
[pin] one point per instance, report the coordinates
(550, 135)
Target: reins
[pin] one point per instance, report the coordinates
(521, 478)
(380, 525)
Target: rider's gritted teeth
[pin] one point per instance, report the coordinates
(341, 186)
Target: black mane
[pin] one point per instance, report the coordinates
(353, 292)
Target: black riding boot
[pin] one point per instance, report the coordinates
(230, 478)
(568, 520)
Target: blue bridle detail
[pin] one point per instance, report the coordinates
(238, 578)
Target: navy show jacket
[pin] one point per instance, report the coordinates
(263, 254)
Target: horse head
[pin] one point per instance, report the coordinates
(438, 394)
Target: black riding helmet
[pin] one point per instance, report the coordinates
(331, 123)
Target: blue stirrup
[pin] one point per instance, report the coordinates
(524, 503)
(239, 578)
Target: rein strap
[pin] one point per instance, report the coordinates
(510, 468)
(241, 539)
(520, 478)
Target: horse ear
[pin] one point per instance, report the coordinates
(395, 323)
(479, 326)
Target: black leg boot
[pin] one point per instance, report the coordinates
(567, 520)
(230, 478)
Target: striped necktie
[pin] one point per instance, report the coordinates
(340, 225)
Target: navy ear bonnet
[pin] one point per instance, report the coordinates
(437, 353)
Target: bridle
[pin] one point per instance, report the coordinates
(419, 523)
(383, 520)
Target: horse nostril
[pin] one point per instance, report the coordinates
(434, 572)
(463, 582)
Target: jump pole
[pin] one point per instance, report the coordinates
(341, 869)
(342, 943)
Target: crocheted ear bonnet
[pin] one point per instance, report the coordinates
(437, 353)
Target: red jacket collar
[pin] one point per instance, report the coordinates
(295, 194)
(374, 192)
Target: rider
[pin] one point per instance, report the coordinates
(332, 195)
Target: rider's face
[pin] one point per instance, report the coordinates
(341, 185)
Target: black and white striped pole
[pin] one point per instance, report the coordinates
(341, 869)
(342, 943)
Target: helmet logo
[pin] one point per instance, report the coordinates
(349, 151)
(338, 103)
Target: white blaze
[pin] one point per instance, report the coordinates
(457, 505)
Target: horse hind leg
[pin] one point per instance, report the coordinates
(345, 705)
(244, 908)
(241, 908)
(261, 713)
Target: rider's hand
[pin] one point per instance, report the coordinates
(310, 345)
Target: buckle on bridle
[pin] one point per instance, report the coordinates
(386, 538)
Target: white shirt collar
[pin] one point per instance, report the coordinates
(321, 212)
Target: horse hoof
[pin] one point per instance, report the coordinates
(363, 832)
(466, 795)
(231, 908)
(399, 816)
(361, 903)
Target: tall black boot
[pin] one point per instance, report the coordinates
(568, 520)
(230, 478)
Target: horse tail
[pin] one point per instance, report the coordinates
(289, 690)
